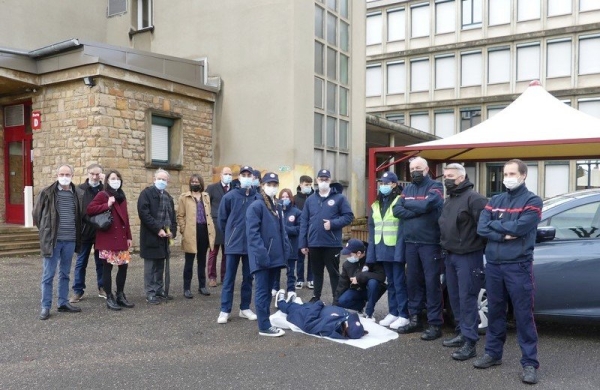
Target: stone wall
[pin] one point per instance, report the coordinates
(107, 124)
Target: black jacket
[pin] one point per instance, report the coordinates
(87, 194)
(350, 270)
(151, 245)
(216, 192)
(458, 222)
(300, 198)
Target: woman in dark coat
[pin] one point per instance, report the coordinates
(114, 243)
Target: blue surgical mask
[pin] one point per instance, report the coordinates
(256, 182)
(226, 179)
(286, 202)
(352, 259)
(245, 182)
(306, 190)
(160, 184)
(385, 189)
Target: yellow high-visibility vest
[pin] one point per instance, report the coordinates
(386, 227)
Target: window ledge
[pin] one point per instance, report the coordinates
(165, 166)
(133, 32)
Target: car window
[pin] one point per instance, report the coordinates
(578, 222)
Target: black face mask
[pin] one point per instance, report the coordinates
(450, 184)
(417, 176)
(195, 187)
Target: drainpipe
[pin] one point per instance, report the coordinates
(54, 48)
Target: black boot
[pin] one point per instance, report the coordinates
(432, 333)
(467, 351)
(413, 326)
(455, 342)
(111, 303)
(122, 300)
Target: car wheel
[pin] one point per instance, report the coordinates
(482, 308)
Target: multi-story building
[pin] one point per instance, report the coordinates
(443, 66)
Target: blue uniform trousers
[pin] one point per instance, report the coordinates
(512, 281)
(263, 280)
(232, 263)
(464, 280)
(423, 268)
(290, 277)
(356, 299)
(397, 294)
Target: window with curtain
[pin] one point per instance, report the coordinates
(498, 12)
(419, 75)
(420, 20)
(589, 54)
(374, 80)
(590, 107)
(589, 5)
(528, 10)
(492, 111)
(420, 121)
(528, 62)
(498, 65)
(396, 24)
(396, 78)
(558, 62)
(471, 69)
(445, 72)
(444, 124)
(374, 28)
(559, 7)
(445, 16)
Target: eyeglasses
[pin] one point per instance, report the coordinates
(94, 174)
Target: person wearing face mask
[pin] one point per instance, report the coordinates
(197, 233)
(87, 191)
(386, 246)
(115, 242)
(509, 223)
(256, 179)
(360, 283)
(463, 249)
(157, 227)
(419, 209)
(325, 214)
(57, 214)
(268, 249)
(232, 223)
(291, 216)
(216, 191)
(303, 191)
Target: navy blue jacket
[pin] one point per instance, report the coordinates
(420, 207)
(363, 273)
(292, 227)
(232, 219)
(318, 319)
(335, 208)
(515, 213)
(380, 251)
(268, 245)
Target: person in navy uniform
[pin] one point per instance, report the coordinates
(268, 248)
(463, 249)
(509, 223)
(419, 208)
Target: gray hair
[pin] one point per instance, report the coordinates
(458, 167)
(94, 165)
(65, 165)
(160, 170)
(419, 159)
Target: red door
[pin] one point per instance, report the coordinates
(17, 159)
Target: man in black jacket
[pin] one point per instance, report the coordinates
(303, 191)
(88, 191)
(359, 283)
(464, 257)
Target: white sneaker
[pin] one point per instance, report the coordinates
(400, 322)
(280, 296)
(299, 285)
(249, 314)
(311, 285)
(291, 296)
(388, 320)
(370, 318)
(273, 292)
(272, 332)
(223, 318)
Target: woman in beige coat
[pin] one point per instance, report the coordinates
(197, 233)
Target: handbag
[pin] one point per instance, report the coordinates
(102, 221)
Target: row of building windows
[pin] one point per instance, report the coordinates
(444, 16)
(494, 65)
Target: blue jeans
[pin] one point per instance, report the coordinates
(81, 265)
(356, 299)
(397, 294)
(61, 257)
(263, 279)
(232, 263)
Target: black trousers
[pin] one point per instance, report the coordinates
(202, 248)
(321, 258)
(107, 279)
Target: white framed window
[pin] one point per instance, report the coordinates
(499, 12)
(444, 124)
(588, 5)
(528, 10)
(559, 7)
(332, 29)
(420, 121)
(528, 62)
(492, 111)
(164, 141)
(396, 118)
(144, 14)
(419, 75)
(331, 64)
(498, 65)
(319, 58)
(318, 130)
(374, 80)
(319, 19)
(445, 11)
(532, 178)
(590, 106)
(470, 68)
(557, 179)
(374, 28)
(469, 117)
(319, 85)
(331, 98)
(116, 7)
(472, 13)
(396, 28)
(445, 72)
(396, 77)
(420, 20)
(558, 61)
(589, 54)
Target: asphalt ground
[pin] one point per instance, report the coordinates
(179, 345)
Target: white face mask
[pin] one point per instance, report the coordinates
(352, 259)
(245, 182)
(114, 184)
(271, 191)
(64, 181)
(323, 186)
(511, 183)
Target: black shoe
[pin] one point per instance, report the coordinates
(529, 375)
(413, 326)
(163, 295)
(111, 303)
(151, 299)
(313, 300)
(188, 294)
(433, 332)
(486, 361)
(467, 351)
(204, 291)
(44, 314)
(122, 301)
(455, 342)
(67, 307)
